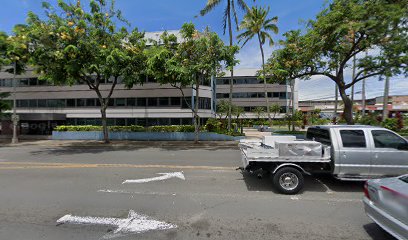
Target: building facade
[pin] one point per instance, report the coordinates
(41, 106)
(248, 92)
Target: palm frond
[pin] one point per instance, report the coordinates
(225, 20)
(243, 5)
(211, 4)
(234, 12)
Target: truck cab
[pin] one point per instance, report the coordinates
(361, 152)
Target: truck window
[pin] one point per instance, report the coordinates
(353, 138)
(318, 135)
(386, 139)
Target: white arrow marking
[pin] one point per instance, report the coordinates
(134, 223)
(163, 176)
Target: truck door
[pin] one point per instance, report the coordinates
(390, 153)
(354, 154)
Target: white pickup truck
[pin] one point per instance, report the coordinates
(347, 152)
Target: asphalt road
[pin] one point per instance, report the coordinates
(40, 183)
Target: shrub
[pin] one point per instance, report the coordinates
(390, 123)
(213, 125)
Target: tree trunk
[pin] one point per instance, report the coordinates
(196, 117)
(104, 125)
(264, 80)
(231, 82)
(348, 106)
(385, 98)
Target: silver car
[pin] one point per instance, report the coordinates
(386, 203)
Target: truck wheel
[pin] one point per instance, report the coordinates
(288, 180)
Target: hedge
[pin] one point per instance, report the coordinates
(133, 128)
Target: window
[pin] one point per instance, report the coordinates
(111, 103)
(22, 103)
(353, 138)
(175, 101)
(120, 102)
(33, 81)
(275, 94)
(386, 139)
(42, 103)
(152, 102)
(80, 102)
(70, 102)
(33, 103)
(23, 82)
(318, 135)
(131, 102)
(141, 102)
(163, 101)
(90, 102)
(282, 95)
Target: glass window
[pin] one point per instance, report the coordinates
(163, 101)
(42, 103)
(275, 94)
(52, 103)
(318, 135)
(386, 139)
(121, 102)
(282, 95)
(70, 102)
(152, 102)
(353, 138)
(175, 101)
(90, 102)
(80, 102)
(22, 103)
(97, 102)
(111, 103)
(33, 103)
(131, 102)
(23, 82)
(141, 102)
(33, 81)
(120, 122)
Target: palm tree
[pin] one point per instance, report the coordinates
(257, 24)
(226, 22)
(275, 109)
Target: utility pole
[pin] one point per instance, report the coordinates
(363, 94)
(14, 117)
(336, 100)
(363, 100)
(353, 76)
(385, 98)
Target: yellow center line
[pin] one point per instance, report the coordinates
(44, 165)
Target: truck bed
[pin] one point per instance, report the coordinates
(256, 151)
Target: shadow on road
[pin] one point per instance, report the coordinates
(376, 232)
(318, 183)
(98, 147)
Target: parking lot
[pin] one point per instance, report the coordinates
(159, 190)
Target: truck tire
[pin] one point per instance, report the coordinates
(288, 180)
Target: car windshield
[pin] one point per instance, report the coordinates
(404, 178)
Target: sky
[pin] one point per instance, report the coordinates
(162, 15)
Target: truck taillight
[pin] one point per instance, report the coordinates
(366, 193)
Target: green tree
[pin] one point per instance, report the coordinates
(222, 109)
(229, 14)
(257, 24)
(275, 109)
(259, 112)
(4, 104)
(190, 61)
(75, 45)
(344, 29)
(237, 111)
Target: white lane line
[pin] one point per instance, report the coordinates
(134, 223)
(163, 176)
